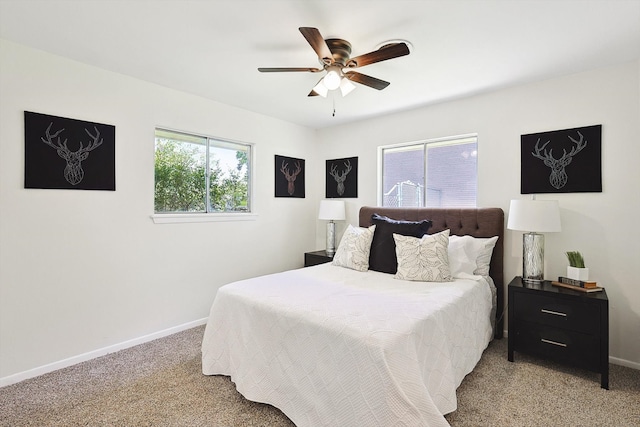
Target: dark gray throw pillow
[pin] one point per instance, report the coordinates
(383, 248)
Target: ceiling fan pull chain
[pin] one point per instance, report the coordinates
(334, 107)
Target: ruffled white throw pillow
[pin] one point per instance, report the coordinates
(423, 259)
(354, 248)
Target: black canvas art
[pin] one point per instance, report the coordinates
(289, 177)
(342, 178)
(66, 153)
(562, 161)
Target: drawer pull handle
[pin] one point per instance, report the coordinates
(556, 313)
(559, 344)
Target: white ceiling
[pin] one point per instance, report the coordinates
(213, 48)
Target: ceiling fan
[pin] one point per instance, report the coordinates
(334, 56)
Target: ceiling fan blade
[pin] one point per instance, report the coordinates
(318, 44)
(390, 51)
(366, 80)
(313, 93)
(290, 69)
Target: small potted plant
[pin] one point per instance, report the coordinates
(576, 269)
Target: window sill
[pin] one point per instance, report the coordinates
(202, 217)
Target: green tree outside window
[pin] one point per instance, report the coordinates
(181, 174)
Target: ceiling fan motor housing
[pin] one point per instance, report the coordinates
(340, 49)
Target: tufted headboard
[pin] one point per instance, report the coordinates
(476, 222)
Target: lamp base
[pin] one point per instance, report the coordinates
(533, 257)
(331, 238)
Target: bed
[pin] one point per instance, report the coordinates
(336, 346)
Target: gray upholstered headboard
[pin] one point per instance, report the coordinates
(476, 222)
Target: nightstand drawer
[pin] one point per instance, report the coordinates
(559, 344)
(569, 314)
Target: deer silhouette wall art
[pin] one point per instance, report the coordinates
(86, 148)
(563, 161)
(73, 172)
(342, 178)
(289, 177)
(558, 176)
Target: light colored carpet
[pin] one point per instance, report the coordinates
(160, 384)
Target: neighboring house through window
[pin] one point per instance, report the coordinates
(200, 174)
(433, 173)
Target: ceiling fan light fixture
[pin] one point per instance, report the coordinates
(333, 78)
(335, 57)
(346, 86)
(321, 89)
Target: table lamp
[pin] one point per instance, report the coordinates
(534, 217)
(332, 210)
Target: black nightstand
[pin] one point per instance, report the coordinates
(317, 257)
(560, 324)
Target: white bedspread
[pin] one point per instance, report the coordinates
(331, 346)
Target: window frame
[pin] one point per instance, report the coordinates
(210, 216)
(424, 143)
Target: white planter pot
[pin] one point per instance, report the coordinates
(578, 273)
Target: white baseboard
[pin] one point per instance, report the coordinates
(624, 362)
(613, 360)
(31, 373)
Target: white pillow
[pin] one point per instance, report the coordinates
(423, 259)
(466, 252)
(354, 248)
(461, 262)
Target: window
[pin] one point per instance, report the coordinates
(198, 174)
(433, 173)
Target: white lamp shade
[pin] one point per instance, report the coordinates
(333, 77)
(332, 210)
(321, 89)
(346, 86)
(541, 216)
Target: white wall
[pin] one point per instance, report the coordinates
(82, 271)
(85, 270)
(603, 226)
